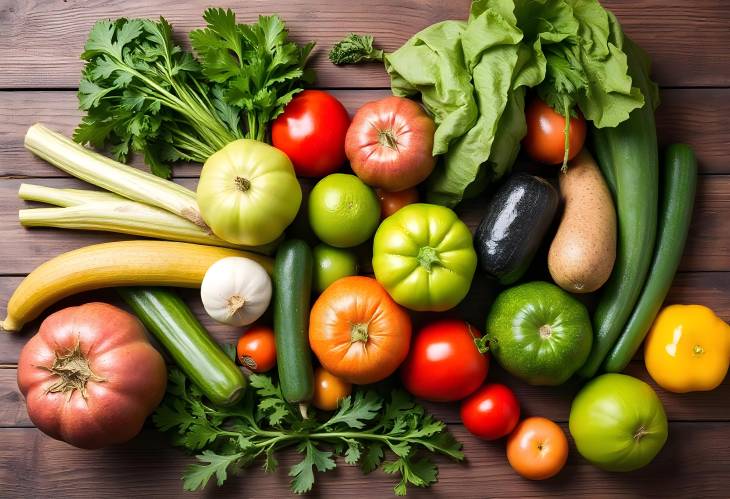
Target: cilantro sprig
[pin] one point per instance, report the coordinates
(142, 93)
(365, 428)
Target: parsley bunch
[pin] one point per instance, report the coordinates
(362, 430)
(143, 93)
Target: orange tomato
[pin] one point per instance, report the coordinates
(537, 449)
(545, 139)
(390, 202)
(329, 390)
(358, 332)
(256, 349)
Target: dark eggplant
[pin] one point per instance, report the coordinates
(517, 218)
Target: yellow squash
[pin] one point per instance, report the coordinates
(688, 349)
(123, 263)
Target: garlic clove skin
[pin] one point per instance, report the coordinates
(236, 291)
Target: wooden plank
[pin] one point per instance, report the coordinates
(694, 463)
(684, 43)
(698, 117)
(549, 402)
(24, 249)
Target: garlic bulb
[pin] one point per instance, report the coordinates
(236, 291)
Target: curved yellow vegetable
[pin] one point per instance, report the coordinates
(123, 263)
(688, 349)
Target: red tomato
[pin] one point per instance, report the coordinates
(90, 377)
(390, 202)
(256, 349)
(390, 143)
(545, 139)
(311, 131)
(492, 412)
(444, 363)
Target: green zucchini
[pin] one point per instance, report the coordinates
(628, 157)
(170, 320)
(680, 182)
(292, 291)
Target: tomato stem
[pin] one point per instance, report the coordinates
(74, 372)
(428, 257)
(242, 184)
(359, 332)
(387, 138)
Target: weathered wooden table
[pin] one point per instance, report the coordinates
(40, 41)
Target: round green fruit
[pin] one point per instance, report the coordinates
(539, 333)
(331, 264)
(618, 423)
(343, 211)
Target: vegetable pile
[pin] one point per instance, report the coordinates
(321, 342)
(472, 76)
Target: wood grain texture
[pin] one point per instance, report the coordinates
(708, 246)
(40, 40)
(699, 117)
(694, 463)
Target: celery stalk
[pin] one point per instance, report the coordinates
(63, 197)
(126, 217)
(108, 174)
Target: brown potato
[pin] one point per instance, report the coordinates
(583, 251)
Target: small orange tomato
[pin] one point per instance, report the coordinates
(545, 139)
(329, 390)
(256, 349)
(537, 449)
(390, 202)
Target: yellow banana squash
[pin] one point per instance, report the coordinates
(123, 263)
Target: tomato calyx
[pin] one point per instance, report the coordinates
(428, 257)
(481, 342)
(640, 433)
(359, 332)
(242, 184)
(387, 138)
(74, 372)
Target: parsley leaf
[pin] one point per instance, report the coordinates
(258, 69)
(365, 426)
(197, 475)
(303, 472)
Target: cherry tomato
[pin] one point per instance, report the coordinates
(545, 139)
(537, 449)
(256, 349)
(491, 412)
(390, 202)
(329, 390)
(444, 363)
(311, 131)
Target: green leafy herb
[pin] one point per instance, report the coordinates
(354, 49)
(362, 430)
(143, 94)
(258, 69)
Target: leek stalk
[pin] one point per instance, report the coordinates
(108, 174)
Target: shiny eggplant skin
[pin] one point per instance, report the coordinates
(517, 218)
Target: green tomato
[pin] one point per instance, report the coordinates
(618, 423)
(248, 193)
(331, 264)
(343, 210)
(539, 333)
(424, 257)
